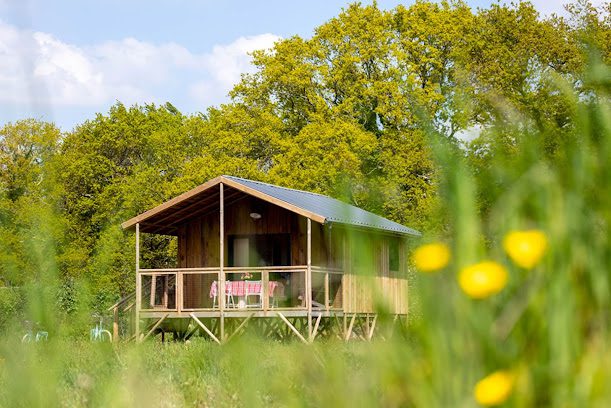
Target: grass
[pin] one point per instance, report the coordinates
(249, 371)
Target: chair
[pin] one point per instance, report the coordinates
(253, 289)
(277, 294)
(213, 293)
(230, 300)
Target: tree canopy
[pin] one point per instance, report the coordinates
(344, 113)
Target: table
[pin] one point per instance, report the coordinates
(240, 288)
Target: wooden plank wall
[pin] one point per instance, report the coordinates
(198, 240)
(367, 278)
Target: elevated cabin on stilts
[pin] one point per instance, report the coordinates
(296, 262)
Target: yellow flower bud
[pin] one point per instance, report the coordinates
(483, 279)
(525, 248)
(431, 257)
(495, 388)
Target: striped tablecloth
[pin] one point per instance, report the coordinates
(239, 288)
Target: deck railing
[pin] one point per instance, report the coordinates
(252, 288)
(327, 286)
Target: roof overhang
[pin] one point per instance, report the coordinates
(165, 217)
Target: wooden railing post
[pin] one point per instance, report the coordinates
(179, 291)
(327, 290)
(153, 290)
(138, 284)
(115, 324)
(221, 288)
(309, 278)
(265, 283)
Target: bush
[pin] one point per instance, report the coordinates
(11, 305)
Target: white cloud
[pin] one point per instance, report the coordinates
(38, 69)
(547, 7)
(226, 64)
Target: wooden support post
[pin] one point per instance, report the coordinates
(327, 291)
(237, 330)
(179, 291)
(337, 325)
(191, 332)
(155, 326)
(372, 328)
(265, 283)
(138, 284)
(221, 294)
(349, 331)
(315, 331)
(203, 326)
(285, 320)
(392, 327)
(309, 278)
(153, 289)
(166, 287)
(115, 324)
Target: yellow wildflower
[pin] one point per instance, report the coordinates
(495, 388)
(525, 248)
(483, 279)
(431, 257)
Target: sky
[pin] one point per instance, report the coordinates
(66, 60)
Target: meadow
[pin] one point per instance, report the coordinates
(516, 310)
(547, 324)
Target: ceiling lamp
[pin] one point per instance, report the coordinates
(255, 215)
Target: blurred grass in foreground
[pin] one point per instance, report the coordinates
(547, 326)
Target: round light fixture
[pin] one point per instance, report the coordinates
(255, 216)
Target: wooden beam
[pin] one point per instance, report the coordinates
(184, 215)
(265, 283)
(115, 324)
(138, 283)
(179, 293)
(327, 291)
(315, 331)
(192, 331)
(240, 327)
(148, 214)
(309, 277)
(155, 326)
(154, 228)
(153, 290)
(176, 213)
(349, 331)
(290, 325)
(221, 279)
(210, 209)
(203, 326)
(166, 286)
(372, 328)
(273, 200)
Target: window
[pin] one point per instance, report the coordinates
(393, 257)
(259, 250)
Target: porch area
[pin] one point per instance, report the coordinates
(179, 292)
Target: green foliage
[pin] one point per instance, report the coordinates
(11, 305)
(345, 113)
(369, 110)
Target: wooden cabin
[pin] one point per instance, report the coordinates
(248, 249)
